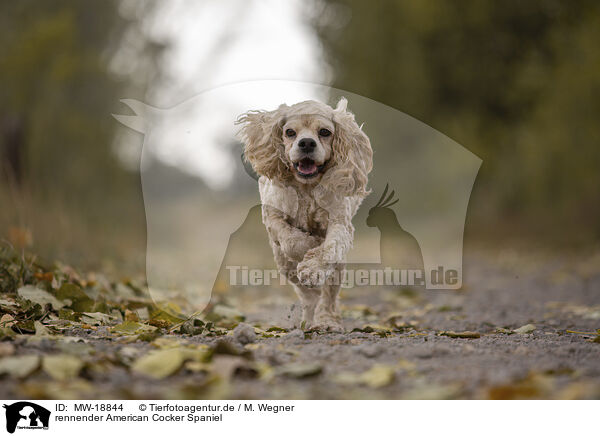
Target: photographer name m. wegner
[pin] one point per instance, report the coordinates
(348, 278)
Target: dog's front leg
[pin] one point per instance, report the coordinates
(294, 243)
(320, 262)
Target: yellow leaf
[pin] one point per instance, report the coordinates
(19, 366)
(62, 367)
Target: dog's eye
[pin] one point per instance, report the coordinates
(290, 133)
(324, 132)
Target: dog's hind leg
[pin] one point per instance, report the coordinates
(309, 297)
(326, 313)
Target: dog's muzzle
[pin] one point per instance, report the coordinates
(307, 168)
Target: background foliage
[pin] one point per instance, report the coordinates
(517, 83)
(61, 180)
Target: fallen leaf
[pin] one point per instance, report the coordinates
(96, 318)
(167, 342)
(19, 366)
(132, 328)
(149, 336)
(39, 296)
(163, 319)
(72, 346)
(159, 364)
(62, 367)
(447, 308)
(226, 347)
(277, 329)
(300, 370)
(160, 323)
(378, 376)
(464, 335)
(47, 276)
(41, 329)
(535, 385)
(528, 328)
(407, 365)
(8, 303)
(63, 390)
(142, 313)
(73, 296)
(194, 366)
(131, 316)
(7, 332)
(7, 320)
(432, 392)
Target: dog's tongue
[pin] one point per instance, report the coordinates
(307, 166)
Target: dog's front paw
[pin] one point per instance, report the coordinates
(311, 273)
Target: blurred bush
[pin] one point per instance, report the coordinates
(517, 83)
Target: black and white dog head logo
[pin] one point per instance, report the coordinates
(26, 415)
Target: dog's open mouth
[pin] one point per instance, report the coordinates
(307, 167)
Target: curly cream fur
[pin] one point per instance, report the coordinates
(309, 224)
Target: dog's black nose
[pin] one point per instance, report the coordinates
(307, 144)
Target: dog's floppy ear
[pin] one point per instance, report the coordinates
(263, 146)
(352, 155)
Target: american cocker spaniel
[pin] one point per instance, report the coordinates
(313, 162)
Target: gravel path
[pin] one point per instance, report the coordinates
(398, 344)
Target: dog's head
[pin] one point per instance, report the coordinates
(309, 143)
(307, 139)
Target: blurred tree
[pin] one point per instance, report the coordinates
(58, 88)
(518, 83)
